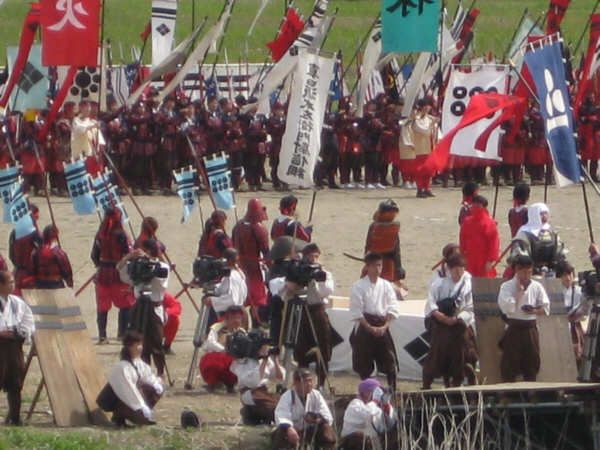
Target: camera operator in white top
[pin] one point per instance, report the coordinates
(232, 290)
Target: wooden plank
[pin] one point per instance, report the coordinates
(557, 357)
(519, 386)
(90, 374)
(55, 362)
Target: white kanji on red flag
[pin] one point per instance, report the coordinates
(70, 16)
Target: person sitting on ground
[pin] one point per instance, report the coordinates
(368, 418)
(302, 416)
(133, 382)
(215, 364)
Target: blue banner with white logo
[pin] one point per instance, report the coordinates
(547, 69)
(106, 195)
(19, 211)
(219, 181)
(186, 188)
(8, 177)
(79, 187)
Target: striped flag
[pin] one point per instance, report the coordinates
(164, 16)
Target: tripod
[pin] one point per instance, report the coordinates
(589, 344)
(199, 337)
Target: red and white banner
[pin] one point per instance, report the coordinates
(461, 87)
(70, 32)
(302, 139)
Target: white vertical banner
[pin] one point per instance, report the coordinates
(302, 139)
(372, 54)
(164, 16)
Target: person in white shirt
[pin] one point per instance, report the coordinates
(373, 305)
(232, 290)
(133, 382)
(85, 132)
(148, 321)
(215, 364)
(368, 418)
(449, 310)
(16, 327)
(577, 306)
(521, 299)
(254, 375)
(302, 416)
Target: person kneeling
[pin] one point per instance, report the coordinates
(368, 418)
(133, 382)
(302, 416)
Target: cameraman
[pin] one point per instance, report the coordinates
(316, 299)
(253, 376)
(152, 329)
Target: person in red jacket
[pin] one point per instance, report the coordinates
(479, 240)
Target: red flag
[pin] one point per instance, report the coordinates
(290, 30)
(146, 31)
(480, 106)
(590, 55)
(70, 31)
(556, 13)
(32, 23)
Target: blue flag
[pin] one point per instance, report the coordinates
(106, 195)
(8, 177)
(548, 72)
(219, 181)
(211, 87)
(410, 26)
(79, 186)
(19, 211)
(186, 188)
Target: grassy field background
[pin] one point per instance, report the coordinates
(126, 19)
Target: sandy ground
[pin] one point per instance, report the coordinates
(341, 219)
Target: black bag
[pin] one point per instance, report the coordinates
(189, 419)
(447, 306)
(107, 400)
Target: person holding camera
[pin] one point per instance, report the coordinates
(521, 299)
(215, 364)
(368, 418)
(302, 416)
(373, 305)
(16, 327)
(50, 266)
(147, 314)
(135, 389)
(254, 373)
(449, 310)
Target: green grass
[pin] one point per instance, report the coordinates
(29, 438)
(125, 20)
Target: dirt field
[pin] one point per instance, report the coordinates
(341, 219)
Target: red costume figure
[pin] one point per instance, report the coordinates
(214, 365)
(350, 134)
(536, 155)
(479, 240)
(513, 153)
(8, 142)
(517, 216)
(383, 238)
(190, 127)
(251, 240)
(275, 128)
(372, 127)
(173, 312)
(115, 129)
(287, 225)
(214, 127)
(61, 152)
(233, 141)
(166, 156)
(148, 231)
(143, 147)
(389, 144)
(110, 246)
(214, 241)
(255, 137)
(589, 134)
(20, 250)
(469, 191)
(50, 266)
(32, 170)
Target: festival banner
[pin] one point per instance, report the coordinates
(164, 16)
(8, 177)
(463, 84)
(19, 211)
(186, 188)
(548, 72)
(33, 84)
(219, 180)
(590, 63)
(78, 184)
(106, 195)
(290, 31)
(556, 13)
(410, 27)
(371, 56)
(70, 32)
(301, 141)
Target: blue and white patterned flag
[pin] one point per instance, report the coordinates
(219, 181)
(186, 188)
(106, 195)
(79, 186)
(8, 177)
(19, 211)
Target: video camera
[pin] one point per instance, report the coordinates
(208, 270)
(301, 273)
(588, 280)
(248, 345)
(142, 270)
